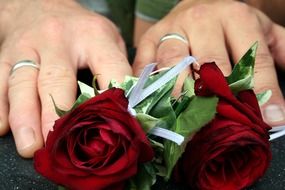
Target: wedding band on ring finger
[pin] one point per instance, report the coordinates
(24, 63)
(175, 36)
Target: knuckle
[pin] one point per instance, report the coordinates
(25, 81)
(222, 62)
(171, 53)
(52, 27)
(111, 60)
(17, 117)
(197, 12)
(146, 40)
(99, 24)
(263, 61)
(218, 59)
(118, 57)
(239, 11)
(55, 75)
(17, 42)
(23, 42)
(268, 85)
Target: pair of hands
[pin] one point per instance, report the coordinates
(63, 37)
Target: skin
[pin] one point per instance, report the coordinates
(61, 37)
(220, 31)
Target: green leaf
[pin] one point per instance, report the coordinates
(241, 77)
(160, 170)
(82, 98)
(188, 87)
(242, 84)
(171, 155)
(126, 85)
(163, 111)
(129, 83)
(114, 83)
(200, 111)
(180, 106)
(85, 89)
(148, 103)
(58, 111)
(96, 91)
(151, 102)
(61, 188)
(147, 122)
(144, 178)
(263, 97)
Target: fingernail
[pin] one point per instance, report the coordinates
(274, 113)
(25, 137)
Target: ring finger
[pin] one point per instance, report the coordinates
(24, 113)
(171, 49)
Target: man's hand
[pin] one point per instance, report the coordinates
(61, 37)
(220, 31)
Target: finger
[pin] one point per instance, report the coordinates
(57, 78)
(275, 37)
(170, 52)
(207, 40)
(146, 51)
(108, 63)
(4, 73)
(274, 110)
(24, 113)
(240, 37)
(278, 45)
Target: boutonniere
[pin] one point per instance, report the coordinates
(210, 137)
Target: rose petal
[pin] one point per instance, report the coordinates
(248, 97)
(43, 166)
(230, 112)
(124, 161)
(108, 137)
(214, 81)
(224, 155)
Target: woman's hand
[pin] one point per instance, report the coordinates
(61, 37)
(220, 31)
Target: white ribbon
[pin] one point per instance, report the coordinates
(278, 132)
(278, 128)
(139, 93)
(135, 93)
(277, 135)
(167, 134)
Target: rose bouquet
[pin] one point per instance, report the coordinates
(211, 137)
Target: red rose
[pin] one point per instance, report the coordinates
(96, 146)
(233, 150)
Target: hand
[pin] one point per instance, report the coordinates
(61, 37)
(220, 31)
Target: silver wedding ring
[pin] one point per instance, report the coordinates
(24, 63)
(173, 36)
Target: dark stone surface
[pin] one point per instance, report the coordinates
(17, 173)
